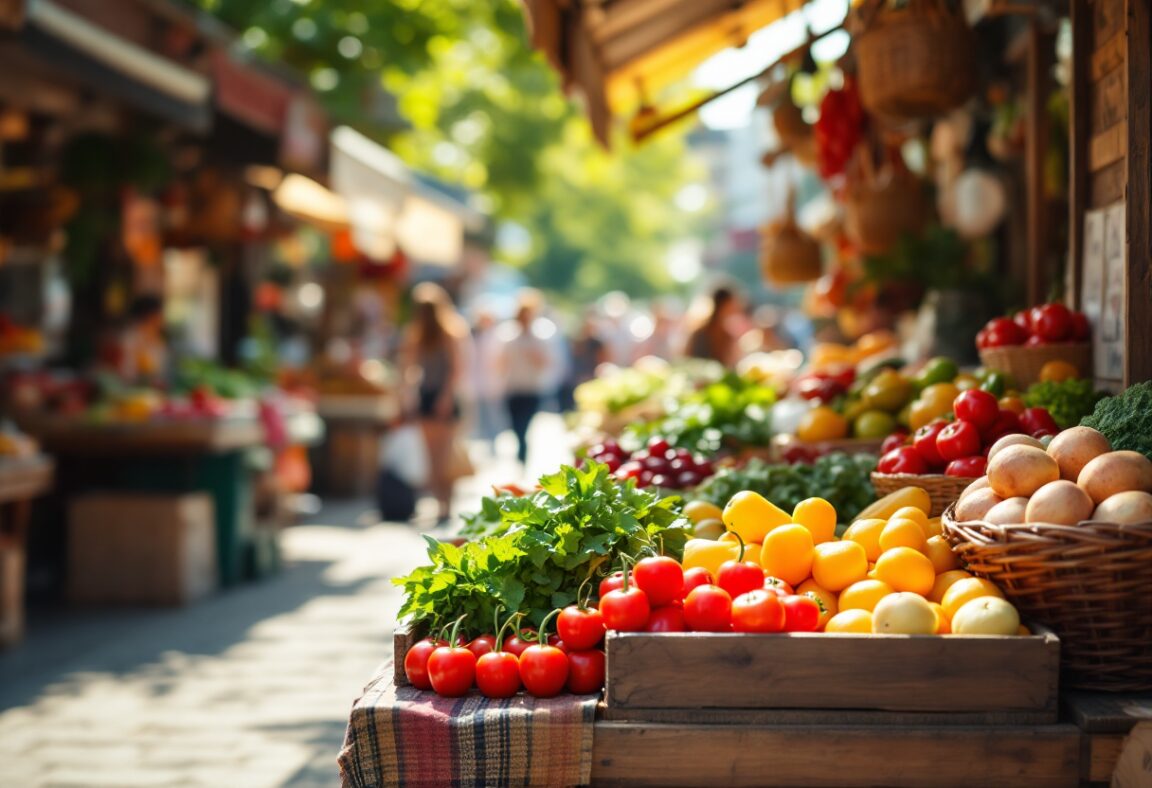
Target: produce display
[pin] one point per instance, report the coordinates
(16, 340)
(1077, 478)
(840, 478)
(1041, 325)
(656, 465)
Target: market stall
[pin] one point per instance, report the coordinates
(22, 479)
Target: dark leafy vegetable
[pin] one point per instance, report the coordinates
(1068, 401)
(733, 411)
(1126, 419)
(843, 480)
(531, 553)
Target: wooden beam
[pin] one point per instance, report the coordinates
(1138, 341)
(1078, 146)
(1039, 83)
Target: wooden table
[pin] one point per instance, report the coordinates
(169, 456)
(21, 480)
(356, 423)
(1106, 720)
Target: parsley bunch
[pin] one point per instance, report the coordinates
(531, 554)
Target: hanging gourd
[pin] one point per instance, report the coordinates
(915, 59)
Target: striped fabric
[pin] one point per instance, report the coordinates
(402, 736)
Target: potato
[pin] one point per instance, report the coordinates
(1013, 440)
(976, 505)
(1115, 472)
(1126, 508)
(1020, 471)
(1008, 512)
(1076, 447)
(979, 484)
(1060, 502)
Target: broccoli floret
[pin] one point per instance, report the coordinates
(1126, 419)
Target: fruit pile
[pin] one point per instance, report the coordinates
(892, 572)
(656, 465)
(959, 447)
(1076, 479)
(1041, 325)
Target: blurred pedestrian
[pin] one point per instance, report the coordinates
(488, 379)
(587, 351)
(434, 354)
(665, 341)
(527, 368)
(712, 336)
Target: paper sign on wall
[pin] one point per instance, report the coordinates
(1110, 327)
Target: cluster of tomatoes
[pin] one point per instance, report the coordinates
(838, 129)
(960, 447)
(664, 597)
(1040, 325)
(657, 465)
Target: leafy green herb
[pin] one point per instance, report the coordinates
(1068, 401)
(732, 411)
(843, 480)
(1126, 419)
(531, 554)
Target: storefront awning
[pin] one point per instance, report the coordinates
(93, 56)
(620, 52)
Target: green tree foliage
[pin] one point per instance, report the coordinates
(486, 112)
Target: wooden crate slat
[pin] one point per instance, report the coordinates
(825, 716)
(924, 757)
(804, 671)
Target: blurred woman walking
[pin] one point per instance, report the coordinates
(434, 355)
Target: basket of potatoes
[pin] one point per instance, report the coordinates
(1066, 531)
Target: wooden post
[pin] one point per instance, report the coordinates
(1079, 107)
(1039, 82)
(1138, 292)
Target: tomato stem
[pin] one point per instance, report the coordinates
(541, 637)
(582, 599)
(456, 631)
(514, 618)
(742, 546)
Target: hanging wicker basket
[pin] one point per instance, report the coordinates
(788, 255)
(916, 61)
(881, 205)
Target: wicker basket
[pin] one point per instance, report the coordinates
(914, 62)
(943, 490)
(1023, 364)
(1091, 583)
(882, 204)
(788, 255)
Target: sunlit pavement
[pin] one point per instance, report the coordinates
(250, 688)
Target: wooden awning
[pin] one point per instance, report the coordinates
(615, 51)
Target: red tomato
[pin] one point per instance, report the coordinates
(625, 611)
(925, 442)
(1052, 322)
(481, 645)
(669, 618)
(739, 577)
(978, 407)
(708, 609)
(543, 670)
(555, 640)
(585, 672)
(1002, 332)
(982, 338)
(1036, 341)
(611, 583)
(660, 577)
(517, 643)
(758, 611)
(498, 674)
(1038, 420)
(1023, 318)
(801, 614)
(451, 669)
(580, 628)
(416, 663)
(1081, 331)
(696, 576)
(968, 467)
(958, 439)
(1006, 423)
(903, 460)
(773, 582)
(894, 441)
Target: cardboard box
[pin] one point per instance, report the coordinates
(141, 548)
(11, 593)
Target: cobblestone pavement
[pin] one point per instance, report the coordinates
(250, 688)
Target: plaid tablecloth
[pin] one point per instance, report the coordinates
(402, 736)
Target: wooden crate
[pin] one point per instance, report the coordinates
(684, 754)
(141, 548)
(1106, 720)
(1001, 676)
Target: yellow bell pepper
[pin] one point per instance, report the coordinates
(752, 516)
(709, 554)
(890, 503)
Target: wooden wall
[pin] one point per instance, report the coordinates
(1111, 114)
